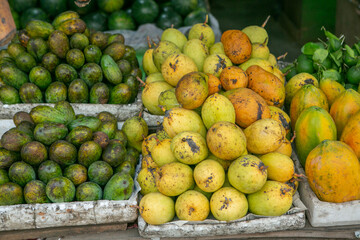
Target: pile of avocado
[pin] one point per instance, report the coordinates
(65, 60)
(101, 15)
(53, 155)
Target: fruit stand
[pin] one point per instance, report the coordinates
(143, 120)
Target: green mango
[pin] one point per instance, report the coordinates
(25, 62)
(13, 76)
(43, 113)
(92, 122)
(41, 77)
(78, 91)
(37, 47)
(10, 194)
(65, 108)
(14, 139)
(79, 135)
(99, 93)
(59, 43)
(120, 94)
(38, 28)
(75, 58)
(91, 73)
(30, 93)
(56, 92)
(65, 73)
(111, 70)
(7, 158)
(49, 132)
(119, 187)
(9, 95)
(50, 61)
(79, 41)
(114, 154)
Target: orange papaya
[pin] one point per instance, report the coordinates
(307, 96)
(333, 172)
(344, 106)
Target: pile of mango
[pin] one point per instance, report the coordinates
(222, 147)
(102, 15)
(64, 61)
(53, 155)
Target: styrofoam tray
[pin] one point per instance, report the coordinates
(77, 213)
(293, 219)
(326, 214)
(120, 111)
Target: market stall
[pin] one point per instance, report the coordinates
(142, 119)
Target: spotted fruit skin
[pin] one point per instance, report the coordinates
(333, 172)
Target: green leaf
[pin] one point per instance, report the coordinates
(310, 47)
(320, 55)
(336, 61)
(330, 35)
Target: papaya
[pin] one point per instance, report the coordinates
(312, 127)
(295, 83)
(307, 96)
(249, 106)
(344, 106)
(351, 133)
(331, 88)
(333, 172)
(266, 85)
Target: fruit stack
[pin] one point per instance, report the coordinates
(54, 156)
(102, 15)
(222, 147)
(64, 61)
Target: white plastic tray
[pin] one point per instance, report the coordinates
(33, 216)
(293, 219)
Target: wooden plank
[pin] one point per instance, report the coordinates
(61, 231)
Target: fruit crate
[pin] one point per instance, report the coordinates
(251, 223)
(121, 112)
(326, 214)
(77, 213)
